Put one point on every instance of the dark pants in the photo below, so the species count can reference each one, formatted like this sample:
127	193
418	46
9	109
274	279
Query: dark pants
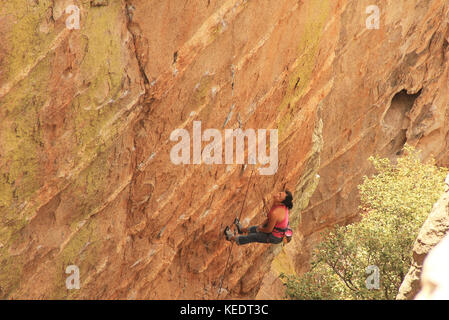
254	236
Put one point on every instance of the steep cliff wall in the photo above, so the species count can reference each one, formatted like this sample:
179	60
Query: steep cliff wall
86	115
389	87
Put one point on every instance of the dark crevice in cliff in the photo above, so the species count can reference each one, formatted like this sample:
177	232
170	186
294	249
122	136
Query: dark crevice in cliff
135	32
397	120
136	205
401	104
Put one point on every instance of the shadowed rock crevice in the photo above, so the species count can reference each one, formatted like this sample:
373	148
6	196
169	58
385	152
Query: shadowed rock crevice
136	34
396	120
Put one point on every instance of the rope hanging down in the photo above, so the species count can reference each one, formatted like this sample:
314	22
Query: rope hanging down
232	245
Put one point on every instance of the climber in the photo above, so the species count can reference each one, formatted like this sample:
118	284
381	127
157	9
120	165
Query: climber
274	228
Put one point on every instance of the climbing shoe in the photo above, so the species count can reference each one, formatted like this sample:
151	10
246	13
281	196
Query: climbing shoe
238	225
228	233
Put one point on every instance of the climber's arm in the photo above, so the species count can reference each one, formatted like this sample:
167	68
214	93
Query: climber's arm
264	224
271	222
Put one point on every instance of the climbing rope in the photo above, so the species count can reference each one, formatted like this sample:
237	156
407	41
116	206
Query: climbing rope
232	245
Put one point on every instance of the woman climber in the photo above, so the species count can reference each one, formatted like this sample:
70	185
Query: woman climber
274	228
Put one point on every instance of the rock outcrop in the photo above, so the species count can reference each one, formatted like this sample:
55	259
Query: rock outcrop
434	279
87	107
430	235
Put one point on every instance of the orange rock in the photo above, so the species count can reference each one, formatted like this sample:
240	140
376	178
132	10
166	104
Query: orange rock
86	116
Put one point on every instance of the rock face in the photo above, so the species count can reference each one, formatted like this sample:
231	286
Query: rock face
387	89
432	232
87	107
434	279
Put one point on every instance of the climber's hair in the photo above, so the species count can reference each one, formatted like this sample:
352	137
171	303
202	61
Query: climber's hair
288	201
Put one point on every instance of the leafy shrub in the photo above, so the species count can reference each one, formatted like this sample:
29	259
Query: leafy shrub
394	204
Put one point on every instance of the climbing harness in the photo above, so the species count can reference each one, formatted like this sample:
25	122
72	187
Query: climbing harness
286	232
